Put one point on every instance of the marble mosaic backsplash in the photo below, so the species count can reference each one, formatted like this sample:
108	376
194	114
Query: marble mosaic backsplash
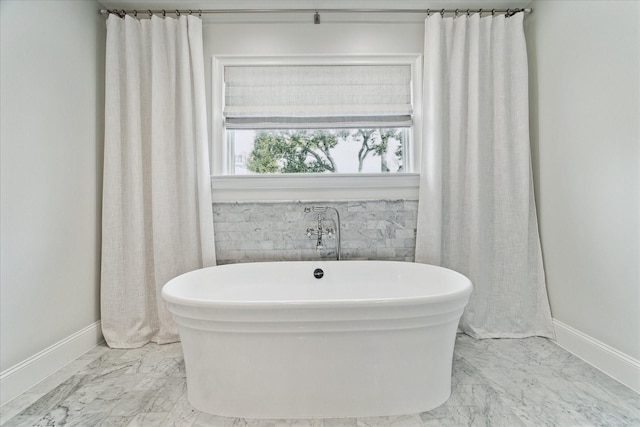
373	230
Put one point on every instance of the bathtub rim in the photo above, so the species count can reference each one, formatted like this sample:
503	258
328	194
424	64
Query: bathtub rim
461	294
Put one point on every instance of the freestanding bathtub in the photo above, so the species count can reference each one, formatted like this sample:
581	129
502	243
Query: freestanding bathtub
318	339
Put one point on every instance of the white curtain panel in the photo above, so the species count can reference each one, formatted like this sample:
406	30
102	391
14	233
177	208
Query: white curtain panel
477	211
157	215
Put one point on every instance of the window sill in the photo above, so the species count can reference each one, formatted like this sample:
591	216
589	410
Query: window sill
314	187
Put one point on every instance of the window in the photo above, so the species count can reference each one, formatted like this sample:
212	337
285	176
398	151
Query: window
355	150
348	117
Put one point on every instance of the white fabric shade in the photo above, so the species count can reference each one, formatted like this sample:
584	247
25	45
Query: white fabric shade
317	96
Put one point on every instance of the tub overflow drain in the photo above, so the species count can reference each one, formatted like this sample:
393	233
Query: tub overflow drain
318	273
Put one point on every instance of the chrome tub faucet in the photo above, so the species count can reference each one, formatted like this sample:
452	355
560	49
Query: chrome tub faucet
320	230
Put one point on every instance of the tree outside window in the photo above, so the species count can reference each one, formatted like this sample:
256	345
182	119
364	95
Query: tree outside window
363	150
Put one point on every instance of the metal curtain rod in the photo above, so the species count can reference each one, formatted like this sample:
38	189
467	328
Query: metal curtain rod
316	12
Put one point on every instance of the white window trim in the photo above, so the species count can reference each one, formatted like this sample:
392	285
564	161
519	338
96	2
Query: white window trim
312	187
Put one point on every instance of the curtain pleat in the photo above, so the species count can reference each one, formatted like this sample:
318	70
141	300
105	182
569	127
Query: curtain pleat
157	215
476	210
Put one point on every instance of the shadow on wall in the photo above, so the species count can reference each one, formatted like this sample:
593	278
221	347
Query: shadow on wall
375	230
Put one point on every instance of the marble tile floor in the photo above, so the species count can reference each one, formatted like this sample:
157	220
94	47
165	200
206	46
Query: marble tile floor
506	382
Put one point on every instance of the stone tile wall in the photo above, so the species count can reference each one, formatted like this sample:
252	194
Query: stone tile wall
376	230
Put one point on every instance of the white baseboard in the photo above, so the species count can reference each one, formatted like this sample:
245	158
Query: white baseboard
21	377
612	362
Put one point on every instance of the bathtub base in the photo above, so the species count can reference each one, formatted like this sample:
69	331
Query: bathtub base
320	374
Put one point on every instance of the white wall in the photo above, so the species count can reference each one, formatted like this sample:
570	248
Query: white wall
51	77
585	62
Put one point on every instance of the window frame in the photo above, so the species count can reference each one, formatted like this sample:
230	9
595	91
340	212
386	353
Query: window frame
312	187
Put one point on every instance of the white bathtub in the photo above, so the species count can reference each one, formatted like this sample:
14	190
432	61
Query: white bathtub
269	340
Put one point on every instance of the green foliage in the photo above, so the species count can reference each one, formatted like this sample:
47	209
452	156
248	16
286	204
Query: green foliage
376	143
293	152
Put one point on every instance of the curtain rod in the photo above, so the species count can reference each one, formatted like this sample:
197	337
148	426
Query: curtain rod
316	12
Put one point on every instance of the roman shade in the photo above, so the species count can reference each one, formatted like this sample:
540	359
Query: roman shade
317	96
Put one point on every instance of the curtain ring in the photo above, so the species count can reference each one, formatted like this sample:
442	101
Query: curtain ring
199	13
480	13
493	12
149	12
457	10
190	12
164	13
135	13
177	12
468	12
442	13
508	14
428	12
